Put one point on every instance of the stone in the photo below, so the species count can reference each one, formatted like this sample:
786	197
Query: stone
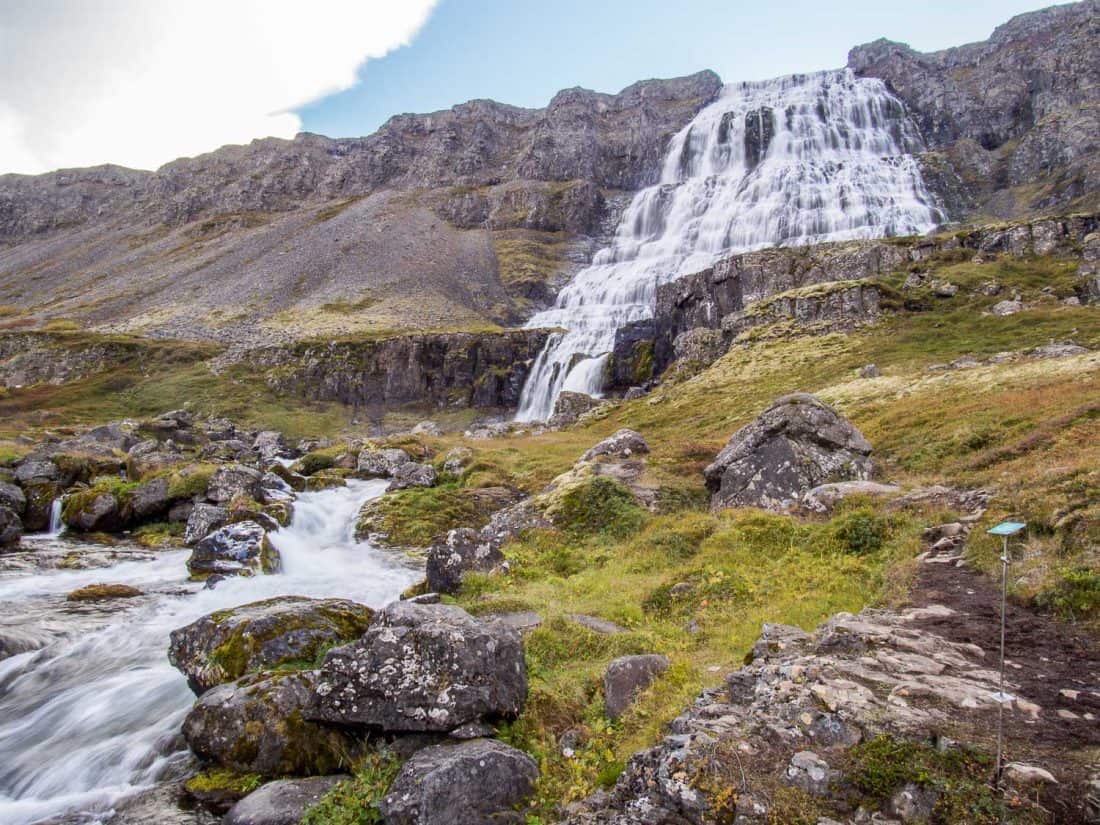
255	725
203	520
149	456
796	444
240	549
913	804
423	668
101	592
11	527
227	644
570	406
461	552
628	676
1002	308
1064	350
12	497
596	624
282	802
93	512
35	470
477	782
623	444
943	289
457	459
809	772
427	427
270	445
412	474
151	499
825	497
869	371
232	480
380	463
1023	775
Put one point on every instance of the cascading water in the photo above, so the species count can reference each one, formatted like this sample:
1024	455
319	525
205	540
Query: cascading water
57	526
796	160
93	716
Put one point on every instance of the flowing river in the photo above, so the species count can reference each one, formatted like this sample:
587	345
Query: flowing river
92	716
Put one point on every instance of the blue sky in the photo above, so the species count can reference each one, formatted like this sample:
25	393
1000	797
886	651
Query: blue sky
522	52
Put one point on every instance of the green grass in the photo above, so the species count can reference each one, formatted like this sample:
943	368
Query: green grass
419	516
355	801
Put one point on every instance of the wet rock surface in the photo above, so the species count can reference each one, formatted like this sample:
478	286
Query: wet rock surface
796	444
223	646
422	668
234	550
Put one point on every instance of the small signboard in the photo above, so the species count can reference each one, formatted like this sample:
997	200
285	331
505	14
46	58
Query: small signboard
1007	528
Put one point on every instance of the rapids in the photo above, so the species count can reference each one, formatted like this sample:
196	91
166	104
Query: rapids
93	715
796	160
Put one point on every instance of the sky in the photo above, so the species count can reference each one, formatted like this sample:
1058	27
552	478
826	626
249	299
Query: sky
142	82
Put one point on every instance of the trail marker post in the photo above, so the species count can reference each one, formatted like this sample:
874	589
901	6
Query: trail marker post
1004	530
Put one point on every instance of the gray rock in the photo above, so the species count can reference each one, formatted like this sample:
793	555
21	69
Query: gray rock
151	499
11	527
412	474
282	802
628	676
825	497
255	725
913	804
795	445
423	668
270	445
1002	308
461	552
231	481
478	782
596	624
623	444
570	406
869	371
100	513
1064	350
810	772
380	463
427	427
457	459
36	470
944	289
149	456
223	646
12	497
240	549
203	520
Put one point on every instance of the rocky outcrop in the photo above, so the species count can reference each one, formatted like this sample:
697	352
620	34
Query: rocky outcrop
830	307
480	781
795	445
255	725
1011	122
445	369
225	645
240	549
422	668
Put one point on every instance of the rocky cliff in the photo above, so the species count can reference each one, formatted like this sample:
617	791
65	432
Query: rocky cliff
1012	122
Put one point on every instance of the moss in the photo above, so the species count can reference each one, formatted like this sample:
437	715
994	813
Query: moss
221	781
418	516
598	505
160	535
99	592
323	459
189	481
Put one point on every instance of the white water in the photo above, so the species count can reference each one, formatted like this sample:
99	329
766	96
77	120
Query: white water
840	166
95	715
57	526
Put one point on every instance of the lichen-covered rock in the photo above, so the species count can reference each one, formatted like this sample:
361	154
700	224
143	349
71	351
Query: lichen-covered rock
626	677
423	668
203	520
623	444
478	782
570	406
255	725
11	527
240	549
457	459
149	456
282	802
795	445
151	499
233	480
380	463
223	646
33	470
12	497
412	474
461	552
93	511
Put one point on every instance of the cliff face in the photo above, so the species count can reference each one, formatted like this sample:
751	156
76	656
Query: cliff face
1012	122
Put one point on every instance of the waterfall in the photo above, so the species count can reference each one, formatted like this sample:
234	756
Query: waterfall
94	716
797	160
57	526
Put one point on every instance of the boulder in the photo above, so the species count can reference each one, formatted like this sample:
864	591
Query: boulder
270	445
457	459
477	782
223	646
33	470
151	499
412	474
461	552
147	457
623	444
118	435
1002	308
92	511
11	527
427	427
795	445
423	668
12	497
570	406
102	592
282	802
233	480
255	725
293	480
203	520
626	677
240	549
40	498
824	497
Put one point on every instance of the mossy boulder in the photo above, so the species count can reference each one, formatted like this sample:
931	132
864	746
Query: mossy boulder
218	790
103	592
94	511
255	725
40	496
279	632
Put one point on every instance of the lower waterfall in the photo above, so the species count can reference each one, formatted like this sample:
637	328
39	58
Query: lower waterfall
797	160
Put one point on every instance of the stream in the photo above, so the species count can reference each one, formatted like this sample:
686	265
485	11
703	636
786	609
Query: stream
92	716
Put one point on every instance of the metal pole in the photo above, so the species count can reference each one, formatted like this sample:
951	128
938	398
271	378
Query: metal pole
1001	689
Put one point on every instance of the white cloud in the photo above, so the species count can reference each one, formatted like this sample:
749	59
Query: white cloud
142	82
